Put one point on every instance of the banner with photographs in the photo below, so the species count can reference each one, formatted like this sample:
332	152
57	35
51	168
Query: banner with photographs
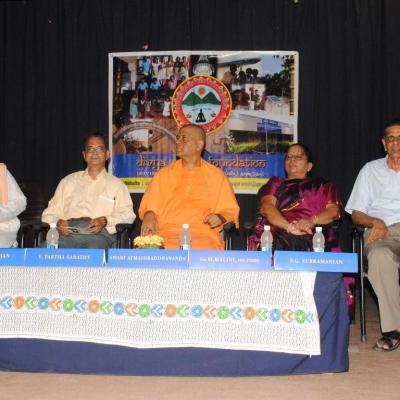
246	101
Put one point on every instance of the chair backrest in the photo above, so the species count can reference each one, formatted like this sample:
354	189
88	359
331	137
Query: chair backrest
36	202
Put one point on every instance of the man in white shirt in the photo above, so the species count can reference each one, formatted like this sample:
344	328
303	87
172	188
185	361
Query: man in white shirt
88	204
375	203
12	203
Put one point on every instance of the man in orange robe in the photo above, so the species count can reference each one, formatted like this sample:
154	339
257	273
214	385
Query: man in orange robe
191	191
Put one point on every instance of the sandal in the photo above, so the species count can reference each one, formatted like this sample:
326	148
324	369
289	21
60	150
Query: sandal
388	342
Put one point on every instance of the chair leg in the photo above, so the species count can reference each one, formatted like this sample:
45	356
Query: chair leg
228	242
362	311
362	297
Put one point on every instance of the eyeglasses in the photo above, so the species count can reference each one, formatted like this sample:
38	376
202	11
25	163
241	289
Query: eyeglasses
97	150
392	139
295	158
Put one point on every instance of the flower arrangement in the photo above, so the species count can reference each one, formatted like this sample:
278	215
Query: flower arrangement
148	242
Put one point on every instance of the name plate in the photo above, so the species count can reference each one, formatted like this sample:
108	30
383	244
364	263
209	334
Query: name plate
234	260
137	258
12	257
64	258
314	261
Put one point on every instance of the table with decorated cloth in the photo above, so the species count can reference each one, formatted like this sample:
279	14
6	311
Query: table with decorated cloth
171	321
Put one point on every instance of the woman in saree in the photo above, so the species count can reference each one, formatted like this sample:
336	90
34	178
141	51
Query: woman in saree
295	205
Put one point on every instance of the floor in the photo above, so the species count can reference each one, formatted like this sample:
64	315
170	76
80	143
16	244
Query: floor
372	375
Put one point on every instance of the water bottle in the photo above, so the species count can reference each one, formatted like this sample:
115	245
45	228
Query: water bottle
266	239
52	237
318	240
186	238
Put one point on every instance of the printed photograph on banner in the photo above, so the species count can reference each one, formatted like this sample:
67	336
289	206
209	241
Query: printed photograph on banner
245	101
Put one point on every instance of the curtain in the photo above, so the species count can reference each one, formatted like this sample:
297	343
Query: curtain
54	71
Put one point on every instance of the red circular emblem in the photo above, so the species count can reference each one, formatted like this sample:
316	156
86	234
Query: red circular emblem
202	100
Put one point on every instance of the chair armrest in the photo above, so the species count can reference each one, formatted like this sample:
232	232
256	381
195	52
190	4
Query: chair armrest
32	233
335	225
358	245
26	236
229	228
247	227
358	237
40	229
124	235
360	229
123	227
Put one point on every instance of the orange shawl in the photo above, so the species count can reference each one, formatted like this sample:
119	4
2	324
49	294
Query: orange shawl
215	194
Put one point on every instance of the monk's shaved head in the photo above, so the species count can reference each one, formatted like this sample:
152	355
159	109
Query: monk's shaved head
195	130
190	142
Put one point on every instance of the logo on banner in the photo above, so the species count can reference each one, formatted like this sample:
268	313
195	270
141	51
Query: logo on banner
202	100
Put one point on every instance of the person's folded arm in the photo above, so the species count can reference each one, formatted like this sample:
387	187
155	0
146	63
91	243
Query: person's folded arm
330	214
226	208
360	218
379	230
275	218
153	202
272	214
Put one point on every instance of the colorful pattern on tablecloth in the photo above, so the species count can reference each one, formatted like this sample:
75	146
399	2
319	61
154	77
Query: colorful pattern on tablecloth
178	311
272	311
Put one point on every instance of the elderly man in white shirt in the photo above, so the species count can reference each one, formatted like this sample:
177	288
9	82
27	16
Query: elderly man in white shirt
375	203
12	203
88	204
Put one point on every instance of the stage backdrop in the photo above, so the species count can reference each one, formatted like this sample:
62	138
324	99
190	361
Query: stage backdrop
246	101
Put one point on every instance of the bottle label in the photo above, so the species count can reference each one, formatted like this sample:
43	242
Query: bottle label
319	249
185	246
52	245
265	248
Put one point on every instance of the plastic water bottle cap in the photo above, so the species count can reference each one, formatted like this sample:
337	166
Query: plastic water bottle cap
318	229
52	225
185	226
267	228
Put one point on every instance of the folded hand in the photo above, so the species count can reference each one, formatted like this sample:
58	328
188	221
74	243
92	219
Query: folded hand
304	225
62	227
149	224
379	231
95	225
214	220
